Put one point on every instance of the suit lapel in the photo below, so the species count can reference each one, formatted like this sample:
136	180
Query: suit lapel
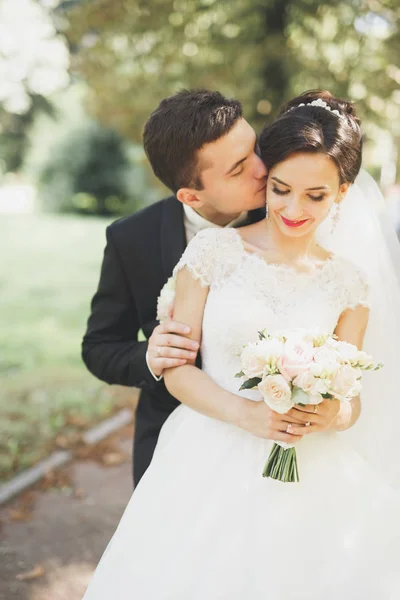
172	235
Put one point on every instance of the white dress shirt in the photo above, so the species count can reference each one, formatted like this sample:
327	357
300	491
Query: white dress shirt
193	223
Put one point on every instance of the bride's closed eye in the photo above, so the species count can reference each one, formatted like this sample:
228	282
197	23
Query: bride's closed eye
285	192
279	192
317	198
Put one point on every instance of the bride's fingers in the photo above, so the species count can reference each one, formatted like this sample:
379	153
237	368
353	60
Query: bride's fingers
287	418
308	408
302	429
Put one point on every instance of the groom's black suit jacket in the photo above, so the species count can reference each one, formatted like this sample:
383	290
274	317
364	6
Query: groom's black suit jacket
140	255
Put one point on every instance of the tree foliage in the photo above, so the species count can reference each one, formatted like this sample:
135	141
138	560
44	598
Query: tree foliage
135	52
34	62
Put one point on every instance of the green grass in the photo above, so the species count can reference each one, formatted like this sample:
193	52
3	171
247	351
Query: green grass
49	269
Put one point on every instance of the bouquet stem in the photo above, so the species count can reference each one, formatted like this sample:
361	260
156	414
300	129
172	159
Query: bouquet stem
282	464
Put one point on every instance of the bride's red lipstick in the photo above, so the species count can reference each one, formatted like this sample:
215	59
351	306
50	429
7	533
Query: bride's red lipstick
293	223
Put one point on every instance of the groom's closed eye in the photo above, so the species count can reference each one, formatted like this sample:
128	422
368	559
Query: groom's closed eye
238	172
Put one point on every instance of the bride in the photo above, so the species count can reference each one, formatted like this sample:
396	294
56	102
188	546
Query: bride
203	524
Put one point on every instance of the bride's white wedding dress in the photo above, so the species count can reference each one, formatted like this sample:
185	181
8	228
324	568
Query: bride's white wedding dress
203	524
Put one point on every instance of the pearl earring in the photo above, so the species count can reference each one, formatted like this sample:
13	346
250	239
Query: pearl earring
335	217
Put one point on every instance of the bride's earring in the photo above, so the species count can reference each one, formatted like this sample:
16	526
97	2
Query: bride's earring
335	217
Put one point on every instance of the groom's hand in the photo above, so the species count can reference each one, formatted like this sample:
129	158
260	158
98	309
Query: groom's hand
168	347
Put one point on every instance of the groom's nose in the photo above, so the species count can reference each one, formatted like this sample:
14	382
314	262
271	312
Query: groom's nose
260	168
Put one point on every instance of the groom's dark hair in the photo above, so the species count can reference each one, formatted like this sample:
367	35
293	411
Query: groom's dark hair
179	127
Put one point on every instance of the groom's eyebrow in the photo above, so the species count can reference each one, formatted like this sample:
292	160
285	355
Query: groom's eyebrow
319	187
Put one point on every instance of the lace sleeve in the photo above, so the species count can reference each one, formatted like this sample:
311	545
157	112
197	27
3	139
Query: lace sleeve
209	254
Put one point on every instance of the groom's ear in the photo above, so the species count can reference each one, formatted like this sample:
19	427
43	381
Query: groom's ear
342	192
188	196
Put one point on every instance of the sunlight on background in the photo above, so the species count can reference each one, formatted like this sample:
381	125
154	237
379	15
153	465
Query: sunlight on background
34	59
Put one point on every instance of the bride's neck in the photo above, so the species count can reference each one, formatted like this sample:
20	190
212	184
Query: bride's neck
291	249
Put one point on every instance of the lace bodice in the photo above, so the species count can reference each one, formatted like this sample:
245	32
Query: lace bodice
248	294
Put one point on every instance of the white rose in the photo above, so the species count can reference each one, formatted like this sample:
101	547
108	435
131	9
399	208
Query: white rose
347	352
310	384
363	360
299	396
260	356
165	300
252	363
276	393
346	383
324	355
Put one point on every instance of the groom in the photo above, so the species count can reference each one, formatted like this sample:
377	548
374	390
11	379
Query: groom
200	146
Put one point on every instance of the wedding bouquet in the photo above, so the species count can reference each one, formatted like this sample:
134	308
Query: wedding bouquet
300	367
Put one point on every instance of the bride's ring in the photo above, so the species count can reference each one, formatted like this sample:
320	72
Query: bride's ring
315	409
308	423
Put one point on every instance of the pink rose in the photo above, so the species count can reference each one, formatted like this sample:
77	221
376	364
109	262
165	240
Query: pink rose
276	393
297	357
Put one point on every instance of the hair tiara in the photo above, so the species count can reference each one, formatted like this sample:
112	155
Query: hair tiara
320	104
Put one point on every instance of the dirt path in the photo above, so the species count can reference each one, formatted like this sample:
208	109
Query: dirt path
57	533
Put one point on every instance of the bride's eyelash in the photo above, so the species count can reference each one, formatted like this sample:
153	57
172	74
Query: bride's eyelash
280	192
317	198
284	192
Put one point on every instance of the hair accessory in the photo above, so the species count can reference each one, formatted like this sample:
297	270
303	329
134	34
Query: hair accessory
321	104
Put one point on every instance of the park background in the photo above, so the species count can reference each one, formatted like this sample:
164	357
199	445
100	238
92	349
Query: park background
77	81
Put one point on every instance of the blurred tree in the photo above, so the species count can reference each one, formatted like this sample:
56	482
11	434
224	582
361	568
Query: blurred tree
34	61
90	171
133	53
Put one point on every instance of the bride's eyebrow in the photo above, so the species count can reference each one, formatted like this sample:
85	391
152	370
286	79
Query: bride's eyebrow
319	187
280	181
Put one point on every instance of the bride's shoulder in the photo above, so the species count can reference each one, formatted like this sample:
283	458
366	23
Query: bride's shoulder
212	254
351	280
216	235
216	240
347	267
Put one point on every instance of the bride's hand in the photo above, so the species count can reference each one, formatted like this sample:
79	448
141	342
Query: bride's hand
314	417
263	422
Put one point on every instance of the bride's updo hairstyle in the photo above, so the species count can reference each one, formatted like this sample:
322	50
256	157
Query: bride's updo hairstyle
332	129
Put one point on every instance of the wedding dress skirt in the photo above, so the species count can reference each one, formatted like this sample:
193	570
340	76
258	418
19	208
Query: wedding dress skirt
203	524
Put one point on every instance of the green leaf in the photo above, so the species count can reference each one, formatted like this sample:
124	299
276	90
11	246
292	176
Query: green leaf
327	396
250	383
240	374
262	335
